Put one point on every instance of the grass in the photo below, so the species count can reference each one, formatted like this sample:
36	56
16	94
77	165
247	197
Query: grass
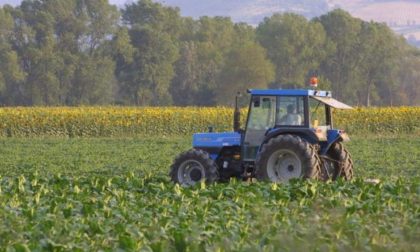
375	156
83	155
109	194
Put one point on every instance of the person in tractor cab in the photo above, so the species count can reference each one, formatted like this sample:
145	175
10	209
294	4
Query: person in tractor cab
291	118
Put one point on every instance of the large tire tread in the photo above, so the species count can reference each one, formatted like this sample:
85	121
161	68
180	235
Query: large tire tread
344	167
210	167
307	153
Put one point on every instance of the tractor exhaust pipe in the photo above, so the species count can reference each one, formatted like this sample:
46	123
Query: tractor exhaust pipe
237	115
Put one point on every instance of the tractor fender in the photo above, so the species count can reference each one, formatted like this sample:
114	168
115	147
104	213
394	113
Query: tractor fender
334	136
307	134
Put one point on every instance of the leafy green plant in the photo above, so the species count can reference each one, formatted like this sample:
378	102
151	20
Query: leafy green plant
110	194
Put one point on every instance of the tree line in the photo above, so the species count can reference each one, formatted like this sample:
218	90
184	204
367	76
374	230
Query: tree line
77	52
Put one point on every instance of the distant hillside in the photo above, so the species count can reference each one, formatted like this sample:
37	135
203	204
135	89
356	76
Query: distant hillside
250	11
402	16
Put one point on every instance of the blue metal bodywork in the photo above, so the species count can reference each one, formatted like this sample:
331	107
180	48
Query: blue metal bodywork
213	143
216	141
290	92
332	136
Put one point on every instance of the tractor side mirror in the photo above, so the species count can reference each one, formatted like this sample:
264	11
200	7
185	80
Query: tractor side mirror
256	101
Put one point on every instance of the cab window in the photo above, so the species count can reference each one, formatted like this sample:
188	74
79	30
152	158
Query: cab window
262	113
262	116
290	111
317	113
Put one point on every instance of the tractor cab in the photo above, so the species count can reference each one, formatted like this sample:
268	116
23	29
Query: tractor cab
288	134
306	113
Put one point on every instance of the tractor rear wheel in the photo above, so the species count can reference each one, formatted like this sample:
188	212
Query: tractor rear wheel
192	167
338	163
286	157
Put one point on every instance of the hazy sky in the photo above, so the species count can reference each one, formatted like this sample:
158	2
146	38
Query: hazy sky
396	13
15	2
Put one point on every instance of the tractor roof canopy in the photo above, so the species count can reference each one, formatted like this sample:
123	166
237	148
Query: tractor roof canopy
322	96
332	102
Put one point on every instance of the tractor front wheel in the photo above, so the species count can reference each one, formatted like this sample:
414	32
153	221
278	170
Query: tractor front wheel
193	166
286	157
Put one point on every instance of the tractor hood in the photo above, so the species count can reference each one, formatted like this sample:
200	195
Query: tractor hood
332	102
216	139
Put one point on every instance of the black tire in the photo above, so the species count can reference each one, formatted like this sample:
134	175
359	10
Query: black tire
338	162
292	153
193	166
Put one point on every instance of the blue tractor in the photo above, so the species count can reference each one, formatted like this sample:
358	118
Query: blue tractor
289	134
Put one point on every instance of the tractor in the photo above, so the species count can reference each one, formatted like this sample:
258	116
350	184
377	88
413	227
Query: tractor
288	135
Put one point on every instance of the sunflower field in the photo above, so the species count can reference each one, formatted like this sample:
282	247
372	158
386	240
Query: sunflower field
168	121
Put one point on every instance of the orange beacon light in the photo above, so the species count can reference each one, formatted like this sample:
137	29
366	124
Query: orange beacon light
314	82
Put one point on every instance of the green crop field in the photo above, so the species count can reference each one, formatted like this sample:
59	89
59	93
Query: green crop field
114	193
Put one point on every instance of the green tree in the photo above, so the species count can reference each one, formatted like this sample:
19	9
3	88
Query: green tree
71	52
153	31
246	67
185	86
340	67
11	74
55	41
84	29
378	65
408	77
209	43
294	45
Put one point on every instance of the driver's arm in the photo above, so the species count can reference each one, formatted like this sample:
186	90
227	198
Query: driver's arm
299	120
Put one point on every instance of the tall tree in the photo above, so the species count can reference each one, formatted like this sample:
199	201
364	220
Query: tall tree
11	74
202	57
71	52
54	40
408	90
186	87
84	30
205	56
246	67
154	30
340	67
379	56
295	46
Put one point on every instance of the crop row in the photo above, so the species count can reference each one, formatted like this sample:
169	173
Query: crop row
131	121
114	194
137	212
